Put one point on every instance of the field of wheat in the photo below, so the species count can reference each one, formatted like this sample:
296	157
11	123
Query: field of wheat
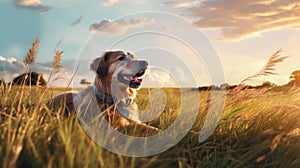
258	128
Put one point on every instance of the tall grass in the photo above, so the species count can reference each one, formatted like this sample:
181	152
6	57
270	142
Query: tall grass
259	128
269	68
32	54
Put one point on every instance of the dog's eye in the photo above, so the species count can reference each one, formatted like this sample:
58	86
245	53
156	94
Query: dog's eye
122	58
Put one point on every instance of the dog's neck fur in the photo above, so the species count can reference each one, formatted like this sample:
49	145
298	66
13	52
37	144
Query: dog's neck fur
103	86
117	92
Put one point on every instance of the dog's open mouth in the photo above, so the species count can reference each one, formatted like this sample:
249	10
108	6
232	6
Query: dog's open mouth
135	80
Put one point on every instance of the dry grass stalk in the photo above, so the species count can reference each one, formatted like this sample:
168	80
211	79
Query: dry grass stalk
275	142
56	65
261	158
294	133
57	59
32	53
30	58
268	68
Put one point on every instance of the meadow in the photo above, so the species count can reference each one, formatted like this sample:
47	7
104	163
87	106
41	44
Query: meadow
258	128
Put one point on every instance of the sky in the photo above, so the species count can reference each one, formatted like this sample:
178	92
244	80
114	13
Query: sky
187	43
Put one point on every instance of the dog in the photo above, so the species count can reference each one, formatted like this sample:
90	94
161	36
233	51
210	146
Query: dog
118	77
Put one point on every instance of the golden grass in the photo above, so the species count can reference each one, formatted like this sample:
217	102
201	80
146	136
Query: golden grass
258	128
269	68
57	59
32	54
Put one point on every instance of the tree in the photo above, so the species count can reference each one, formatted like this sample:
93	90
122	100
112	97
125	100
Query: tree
295	79
268	84
31	78
84	82
225	86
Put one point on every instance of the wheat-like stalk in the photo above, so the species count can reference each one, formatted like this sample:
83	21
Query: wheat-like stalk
57	59
268	68
56	65
32	53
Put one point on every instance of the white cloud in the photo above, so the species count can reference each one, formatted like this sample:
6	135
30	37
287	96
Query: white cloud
179	4
11	60
10	68
244	19
119	27
156	77
179	74
32	4
2	58
110	3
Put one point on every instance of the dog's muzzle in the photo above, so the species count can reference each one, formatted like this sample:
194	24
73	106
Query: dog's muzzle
134	80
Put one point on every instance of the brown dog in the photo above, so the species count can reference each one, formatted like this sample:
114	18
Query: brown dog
118	76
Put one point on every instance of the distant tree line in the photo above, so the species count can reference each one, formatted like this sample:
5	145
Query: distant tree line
226	86
294	82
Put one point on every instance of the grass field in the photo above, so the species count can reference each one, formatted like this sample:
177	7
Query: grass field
259	128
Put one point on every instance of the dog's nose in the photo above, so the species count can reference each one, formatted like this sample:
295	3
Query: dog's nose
143	63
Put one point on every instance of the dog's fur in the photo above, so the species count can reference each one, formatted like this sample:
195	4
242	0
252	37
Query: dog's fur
117	79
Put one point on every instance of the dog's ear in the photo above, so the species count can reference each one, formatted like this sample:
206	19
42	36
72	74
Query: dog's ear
100	65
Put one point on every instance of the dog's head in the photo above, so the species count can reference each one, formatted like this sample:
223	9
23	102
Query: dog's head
120	68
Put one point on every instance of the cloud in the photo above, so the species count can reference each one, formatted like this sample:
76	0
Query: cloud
10	64
243	19
110	3
157	77
10	68
32	4
11	60
2	58
179	4
64	76
119	27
